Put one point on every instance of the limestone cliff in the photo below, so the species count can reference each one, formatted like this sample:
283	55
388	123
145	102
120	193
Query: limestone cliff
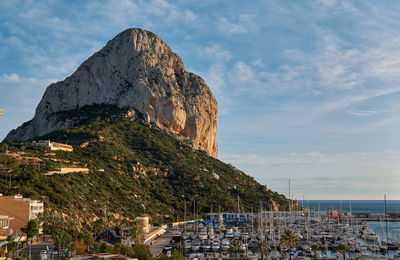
135	70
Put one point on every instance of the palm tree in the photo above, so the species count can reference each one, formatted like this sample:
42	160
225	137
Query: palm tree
235	248
289	238
343	248
31	229
41	219
262	249
136	233
60	238
314	248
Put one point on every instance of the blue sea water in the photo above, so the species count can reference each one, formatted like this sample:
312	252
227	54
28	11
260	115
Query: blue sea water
371	206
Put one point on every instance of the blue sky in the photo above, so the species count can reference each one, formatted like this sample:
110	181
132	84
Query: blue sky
307	90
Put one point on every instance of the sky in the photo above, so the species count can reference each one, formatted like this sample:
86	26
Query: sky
307	90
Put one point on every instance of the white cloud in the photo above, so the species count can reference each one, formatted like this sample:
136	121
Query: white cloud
322	175
245	23
214	52
328	3
9	78
365	113
215	78
243	73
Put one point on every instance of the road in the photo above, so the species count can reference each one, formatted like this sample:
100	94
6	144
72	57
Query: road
35	251
161	242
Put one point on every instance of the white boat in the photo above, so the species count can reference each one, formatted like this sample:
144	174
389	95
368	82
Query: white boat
203	235
187	245
206	247
225	244
372	237
215	246
196	245
229	234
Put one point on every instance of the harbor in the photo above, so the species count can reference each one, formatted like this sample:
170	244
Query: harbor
283	235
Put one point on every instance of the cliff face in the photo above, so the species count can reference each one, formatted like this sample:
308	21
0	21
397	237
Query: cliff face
135	70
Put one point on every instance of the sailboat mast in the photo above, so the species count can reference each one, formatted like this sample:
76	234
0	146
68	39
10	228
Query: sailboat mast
386	223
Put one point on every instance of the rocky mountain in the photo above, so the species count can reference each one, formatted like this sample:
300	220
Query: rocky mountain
137	71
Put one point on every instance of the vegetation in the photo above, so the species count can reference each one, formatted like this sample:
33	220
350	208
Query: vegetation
136	233
343	248
314	248
290	239
262	249
235	249
135	168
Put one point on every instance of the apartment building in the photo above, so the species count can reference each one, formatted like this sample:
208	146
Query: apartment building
21	210
4	226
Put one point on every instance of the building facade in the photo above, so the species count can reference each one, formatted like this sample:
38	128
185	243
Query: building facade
54	146
21	210
4	226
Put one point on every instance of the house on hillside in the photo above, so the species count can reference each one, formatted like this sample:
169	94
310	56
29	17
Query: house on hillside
54	146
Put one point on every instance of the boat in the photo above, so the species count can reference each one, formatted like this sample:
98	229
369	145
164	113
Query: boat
196	245
187	245
225	244
203	235
206	246
215	246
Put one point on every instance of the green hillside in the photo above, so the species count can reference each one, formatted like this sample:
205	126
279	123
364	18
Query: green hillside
135	169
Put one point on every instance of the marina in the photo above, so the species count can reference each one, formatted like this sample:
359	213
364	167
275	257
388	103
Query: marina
285	235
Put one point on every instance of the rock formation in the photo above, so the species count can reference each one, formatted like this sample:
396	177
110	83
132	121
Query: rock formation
138	71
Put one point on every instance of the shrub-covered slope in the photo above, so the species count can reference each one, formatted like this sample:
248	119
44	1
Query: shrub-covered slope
135	169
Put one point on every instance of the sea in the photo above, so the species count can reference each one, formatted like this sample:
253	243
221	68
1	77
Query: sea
369	206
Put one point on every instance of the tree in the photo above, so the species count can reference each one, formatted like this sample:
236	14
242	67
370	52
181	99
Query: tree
88	238
60	238
12	246
235	248
99	225
142	252
343	248
53	223
290	239
176	255
136	233
41	219
262	249
31	229
79	246
314	248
